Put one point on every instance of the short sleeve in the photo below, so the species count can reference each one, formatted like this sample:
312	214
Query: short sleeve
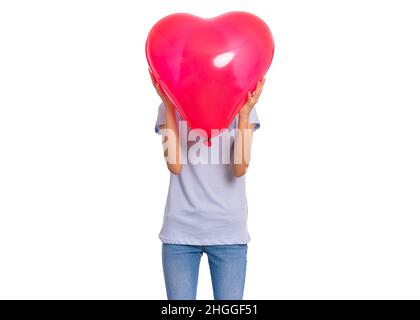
253	118
160	118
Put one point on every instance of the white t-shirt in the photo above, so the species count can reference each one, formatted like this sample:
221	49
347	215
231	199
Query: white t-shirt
206	202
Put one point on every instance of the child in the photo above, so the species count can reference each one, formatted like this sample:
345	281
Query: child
206	207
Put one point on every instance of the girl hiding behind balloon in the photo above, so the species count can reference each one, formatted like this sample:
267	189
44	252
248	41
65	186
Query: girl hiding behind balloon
206	208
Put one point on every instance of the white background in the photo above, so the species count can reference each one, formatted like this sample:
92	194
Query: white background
334	183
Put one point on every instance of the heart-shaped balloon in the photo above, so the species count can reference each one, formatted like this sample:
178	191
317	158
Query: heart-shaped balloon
206	67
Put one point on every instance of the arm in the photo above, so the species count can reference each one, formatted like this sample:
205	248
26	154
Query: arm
243	138
170	133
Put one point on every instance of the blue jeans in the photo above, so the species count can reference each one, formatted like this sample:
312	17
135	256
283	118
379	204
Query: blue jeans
227	268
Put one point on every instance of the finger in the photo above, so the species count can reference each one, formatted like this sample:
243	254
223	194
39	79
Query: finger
259	87
156	84
261	83
152	78
258	90
249	97
158	88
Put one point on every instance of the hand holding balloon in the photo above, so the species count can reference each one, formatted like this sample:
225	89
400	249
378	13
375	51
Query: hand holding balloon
160	92
170	135
243	138
251	100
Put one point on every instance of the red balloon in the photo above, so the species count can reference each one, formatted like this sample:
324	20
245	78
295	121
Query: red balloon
207	66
